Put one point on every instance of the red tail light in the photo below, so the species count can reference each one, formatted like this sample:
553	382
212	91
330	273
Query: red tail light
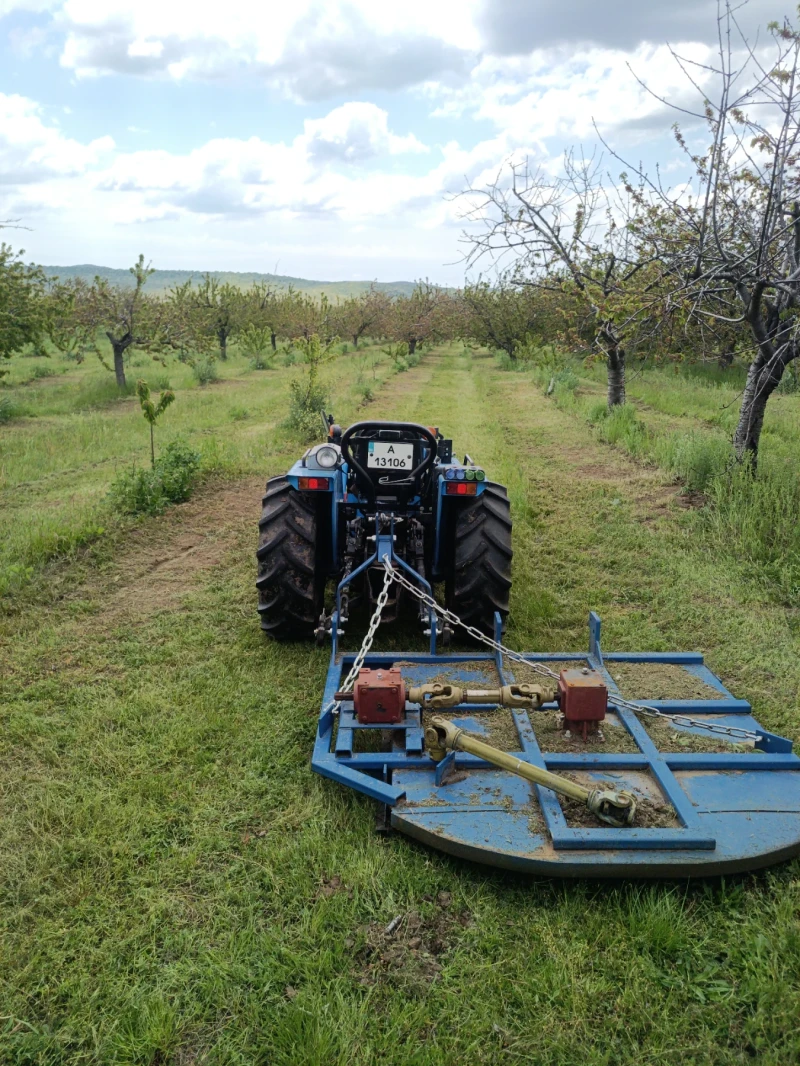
460	488
323	483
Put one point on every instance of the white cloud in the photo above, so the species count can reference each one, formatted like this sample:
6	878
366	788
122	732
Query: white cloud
308	49
517	27
562	93
7	6
353	133
316	175
31	151
302	198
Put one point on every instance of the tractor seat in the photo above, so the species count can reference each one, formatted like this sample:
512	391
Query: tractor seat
389	462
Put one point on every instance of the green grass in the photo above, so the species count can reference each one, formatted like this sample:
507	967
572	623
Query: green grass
179	888
67	436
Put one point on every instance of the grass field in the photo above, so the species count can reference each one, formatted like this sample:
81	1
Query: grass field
56	464
179	888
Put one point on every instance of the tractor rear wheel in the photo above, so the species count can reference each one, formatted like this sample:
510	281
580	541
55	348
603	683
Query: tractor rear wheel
480	575
290	584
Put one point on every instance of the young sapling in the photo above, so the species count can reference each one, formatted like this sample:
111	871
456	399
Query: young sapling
153	411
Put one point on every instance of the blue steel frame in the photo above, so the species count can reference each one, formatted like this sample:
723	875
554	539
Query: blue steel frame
371	772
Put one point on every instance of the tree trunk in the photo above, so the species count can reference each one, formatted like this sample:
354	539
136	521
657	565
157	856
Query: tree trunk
763	378
119	348
355	340
412	345
615	361
222	337
273	340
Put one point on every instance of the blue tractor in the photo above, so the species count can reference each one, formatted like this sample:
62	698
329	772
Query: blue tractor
376	480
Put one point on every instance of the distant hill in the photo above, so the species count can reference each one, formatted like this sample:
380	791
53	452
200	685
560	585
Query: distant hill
161	280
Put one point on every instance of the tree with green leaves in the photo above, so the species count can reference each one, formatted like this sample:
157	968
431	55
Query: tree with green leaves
185	327
22	288
127	316
153	411
308	396
305	315
263	312
418	318
504	315
68	329
360	315
222	310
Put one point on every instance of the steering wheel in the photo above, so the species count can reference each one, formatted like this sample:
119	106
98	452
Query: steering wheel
421	432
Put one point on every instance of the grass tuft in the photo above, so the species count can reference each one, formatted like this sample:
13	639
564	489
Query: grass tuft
150	490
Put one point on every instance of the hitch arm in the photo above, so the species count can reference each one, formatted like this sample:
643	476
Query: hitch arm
613	808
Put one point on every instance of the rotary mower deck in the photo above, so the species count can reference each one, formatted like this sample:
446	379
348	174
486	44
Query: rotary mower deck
731	810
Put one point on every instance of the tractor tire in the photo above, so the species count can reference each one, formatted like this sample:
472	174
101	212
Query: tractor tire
479	581
290	584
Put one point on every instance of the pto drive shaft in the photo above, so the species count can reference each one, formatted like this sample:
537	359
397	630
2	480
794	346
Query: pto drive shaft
436	696
614	808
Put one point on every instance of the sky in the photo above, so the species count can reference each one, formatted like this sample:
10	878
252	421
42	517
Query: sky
318	138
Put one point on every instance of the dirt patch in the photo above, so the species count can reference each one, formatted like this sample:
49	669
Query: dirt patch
153	575
598	472
691	499
669	739
331	886
469	674
536	822
408	951
650	813
656	504
524	674
658	681
501	732
614	738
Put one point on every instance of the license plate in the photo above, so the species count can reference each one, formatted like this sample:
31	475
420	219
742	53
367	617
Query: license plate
382	456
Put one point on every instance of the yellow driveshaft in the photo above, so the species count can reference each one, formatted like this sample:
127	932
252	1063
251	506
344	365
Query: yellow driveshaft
614	808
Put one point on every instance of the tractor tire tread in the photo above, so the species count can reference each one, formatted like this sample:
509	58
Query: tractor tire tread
290	584
480	575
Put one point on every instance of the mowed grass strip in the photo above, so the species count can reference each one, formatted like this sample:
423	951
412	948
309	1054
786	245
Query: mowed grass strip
179	888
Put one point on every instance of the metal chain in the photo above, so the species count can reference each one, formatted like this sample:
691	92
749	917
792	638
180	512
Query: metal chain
613	698
442	612
374	622
681	719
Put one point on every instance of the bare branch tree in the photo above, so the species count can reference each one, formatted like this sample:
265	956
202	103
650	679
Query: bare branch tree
571	233
731	245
